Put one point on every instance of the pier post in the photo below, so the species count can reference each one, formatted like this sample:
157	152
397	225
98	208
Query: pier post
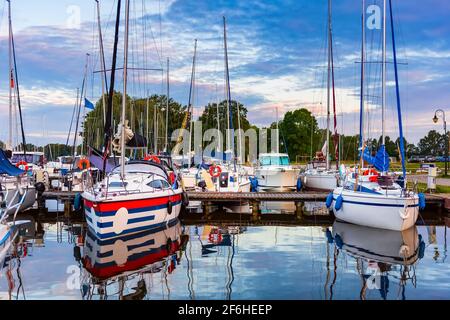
299	206
256	213
206	210
67	208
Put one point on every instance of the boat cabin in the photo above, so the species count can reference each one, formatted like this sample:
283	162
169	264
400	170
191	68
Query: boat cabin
273	159
35	158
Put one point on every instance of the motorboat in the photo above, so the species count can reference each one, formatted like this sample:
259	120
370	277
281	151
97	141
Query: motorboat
274	171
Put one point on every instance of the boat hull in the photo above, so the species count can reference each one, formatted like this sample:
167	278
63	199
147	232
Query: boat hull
386	246
111	258
125	215
320	181
14	198
277	178
376	210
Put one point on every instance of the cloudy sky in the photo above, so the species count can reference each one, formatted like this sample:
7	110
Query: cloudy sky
277	53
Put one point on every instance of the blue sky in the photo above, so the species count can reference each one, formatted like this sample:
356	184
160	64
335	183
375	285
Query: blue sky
277	58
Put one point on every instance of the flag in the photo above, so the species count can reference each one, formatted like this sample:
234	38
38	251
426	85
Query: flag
88	104
12	80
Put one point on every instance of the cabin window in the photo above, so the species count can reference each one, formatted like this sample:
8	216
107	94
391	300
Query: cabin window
159	184
118	184
274	161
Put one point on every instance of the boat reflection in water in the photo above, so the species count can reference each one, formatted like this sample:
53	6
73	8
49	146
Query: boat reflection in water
381	255
114	267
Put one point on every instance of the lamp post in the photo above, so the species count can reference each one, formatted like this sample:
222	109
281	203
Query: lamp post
441	113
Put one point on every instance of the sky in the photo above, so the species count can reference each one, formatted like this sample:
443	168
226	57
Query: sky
277	59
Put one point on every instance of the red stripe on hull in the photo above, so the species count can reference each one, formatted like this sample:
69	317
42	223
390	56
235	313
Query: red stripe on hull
130	204
108	272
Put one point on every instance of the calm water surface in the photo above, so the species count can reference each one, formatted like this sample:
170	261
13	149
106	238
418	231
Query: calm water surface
58	261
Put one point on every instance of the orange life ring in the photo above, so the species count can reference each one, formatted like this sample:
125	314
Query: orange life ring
84	164
152	158
23	165
215	171
370	172
215	238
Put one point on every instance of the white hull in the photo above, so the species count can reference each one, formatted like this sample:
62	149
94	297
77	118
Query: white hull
390	212
386	246
132	213
13	198
320	181
276	178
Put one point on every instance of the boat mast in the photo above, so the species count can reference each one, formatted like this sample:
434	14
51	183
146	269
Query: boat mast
335	136
397	87
278	130
191	100
15	84
383	93
83	94
228	91
166	145
124	98
109	120
102	61
329	85
11	79
363	71
219	145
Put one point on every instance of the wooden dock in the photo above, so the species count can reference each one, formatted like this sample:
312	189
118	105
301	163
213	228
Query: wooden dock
442	201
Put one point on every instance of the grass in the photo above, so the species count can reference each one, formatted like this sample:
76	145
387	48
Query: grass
422	187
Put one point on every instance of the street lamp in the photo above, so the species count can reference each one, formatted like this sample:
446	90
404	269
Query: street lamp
441	113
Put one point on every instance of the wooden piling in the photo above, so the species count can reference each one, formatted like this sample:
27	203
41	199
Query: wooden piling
299	206
256	212
67	208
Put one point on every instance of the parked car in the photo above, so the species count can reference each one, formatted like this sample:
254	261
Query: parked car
413	159
442	159
430	159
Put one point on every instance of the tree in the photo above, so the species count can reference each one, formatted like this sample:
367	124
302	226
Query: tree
141	119
209	119
432	144
297	129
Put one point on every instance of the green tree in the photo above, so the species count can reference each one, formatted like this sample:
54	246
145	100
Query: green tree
140	114
296	129
209	119
432	144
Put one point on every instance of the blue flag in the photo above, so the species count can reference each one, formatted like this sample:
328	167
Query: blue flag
88	104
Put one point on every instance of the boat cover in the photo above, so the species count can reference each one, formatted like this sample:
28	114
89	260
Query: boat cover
6	167
381	160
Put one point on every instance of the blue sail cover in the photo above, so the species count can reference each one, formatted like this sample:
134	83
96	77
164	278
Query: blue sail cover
6	167
381	160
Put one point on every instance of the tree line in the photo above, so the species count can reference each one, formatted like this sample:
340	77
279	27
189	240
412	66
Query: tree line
299	132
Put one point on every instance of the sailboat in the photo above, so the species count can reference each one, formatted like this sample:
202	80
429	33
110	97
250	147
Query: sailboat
380	254
221	175
16	184
230	176
137	195
130	261
374	197
319	175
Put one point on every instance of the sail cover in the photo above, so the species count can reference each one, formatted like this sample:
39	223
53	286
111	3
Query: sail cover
7	167
381	160
96	159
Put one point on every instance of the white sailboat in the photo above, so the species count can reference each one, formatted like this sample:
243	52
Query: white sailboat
226	175
137	195
319	175
370	198
16	186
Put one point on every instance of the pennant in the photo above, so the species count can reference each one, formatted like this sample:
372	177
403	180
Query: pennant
88	104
